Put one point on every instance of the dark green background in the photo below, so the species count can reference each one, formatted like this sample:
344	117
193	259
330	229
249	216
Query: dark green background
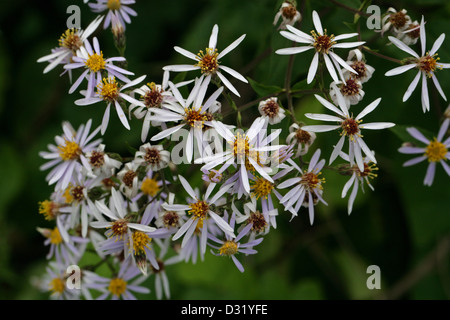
397	227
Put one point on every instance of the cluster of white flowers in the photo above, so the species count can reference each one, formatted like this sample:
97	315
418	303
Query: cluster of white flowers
129	209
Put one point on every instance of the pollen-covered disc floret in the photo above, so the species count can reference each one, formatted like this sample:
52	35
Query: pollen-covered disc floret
199	209
117	286
429	64
207	61
108	89
195	117
323	42
71	40
436	151
261	188
228	248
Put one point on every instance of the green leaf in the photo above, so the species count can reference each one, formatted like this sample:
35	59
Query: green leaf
264	90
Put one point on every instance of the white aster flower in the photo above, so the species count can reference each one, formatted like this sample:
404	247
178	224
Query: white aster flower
411	34
358	63
192	112
119	225
91	59
67	157
288	14
153	96
395	20
100	163
245	150
300	138
69	43
112	93
436	151
271	110
118	8
324	46
351	128
208	62
357	178
351	91
129	179
427	63
200	210
305	189
152	156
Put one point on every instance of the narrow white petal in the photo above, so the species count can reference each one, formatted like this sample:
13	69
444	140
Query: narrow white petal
402	46
231	47
320	128
377	125
329	105
186	53
187	187
368	109
399	70
213	38
317	23
411	87
313	68
330	68
437	44
425	97
293	50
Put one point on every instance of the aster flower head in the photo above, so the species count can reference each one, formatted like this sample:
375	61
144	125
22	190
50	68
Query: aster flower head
55	282
231	246
306	189
436	151
208	61
152	156
357	61
67	157
200	210
288	13
271	109
69	43
324	46
396	21
350	126
244	149
118	9
427	64
153	96
100	163
111	92
121	286
411	34
357	178
351	90
94	64
120	224
300	139
193	113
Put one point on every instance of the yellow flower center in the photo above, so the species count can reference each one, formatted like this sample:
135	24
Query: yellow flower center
199	209
436	151
428	64
195	118
68	194
55	236
229	248
57	286
118	229
208	61
108	89
311	181
150	187
350	127
140	242
113	4
48	209
323	43
368	170
70	151
95	62
70	40
262	188
153	97
117	286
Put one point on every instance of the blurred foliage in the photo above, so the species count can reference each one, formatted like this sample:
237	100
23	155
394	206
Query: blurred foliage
395	227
